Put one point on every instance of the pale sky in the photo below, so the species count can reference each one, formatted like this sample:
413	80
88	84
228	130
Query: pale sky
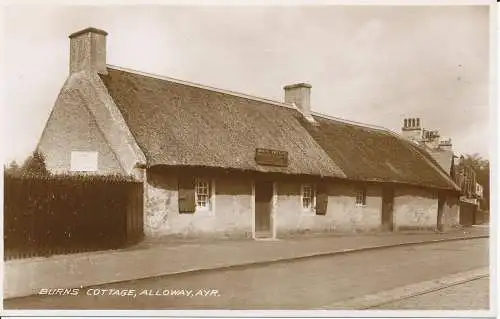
372	64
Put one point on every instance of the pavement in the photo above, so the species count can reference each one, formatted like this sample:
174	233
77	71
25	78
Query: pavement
26	277
303	284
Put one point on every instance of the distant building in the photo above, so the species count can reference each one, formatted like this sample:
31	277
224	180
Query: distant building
441	151
479	190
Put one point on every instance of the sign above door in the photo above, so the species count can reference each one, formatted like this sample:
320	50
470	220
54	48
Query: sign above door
270	157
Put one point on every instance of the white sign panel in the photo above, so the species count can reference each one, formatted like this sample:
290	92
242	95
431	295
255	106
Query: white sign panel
83	161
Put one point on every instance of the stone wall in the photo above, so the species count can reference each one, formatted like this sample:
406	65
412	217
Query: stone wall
451	212
342	213
71	127
349	217
289	214
415	208
85	118
233	203
231	215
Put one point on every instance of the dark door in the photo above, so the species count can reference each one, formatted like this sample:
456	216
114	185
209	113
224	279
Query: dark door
263	207
441	201
387	208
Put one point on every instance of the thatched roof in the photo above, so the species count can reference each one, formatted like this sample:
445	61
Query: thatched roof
179	124
183	124
371	154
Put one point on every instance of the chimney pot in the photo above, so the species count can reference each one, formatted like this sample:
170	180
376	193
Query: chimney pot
411	129
88	50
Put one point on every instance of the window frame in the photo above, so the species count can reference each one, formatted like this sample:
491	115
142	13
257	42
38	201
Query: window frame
312	204
360	193
210	187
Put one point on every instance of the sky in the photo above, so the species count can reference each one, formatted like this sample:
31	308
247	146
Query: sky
371	64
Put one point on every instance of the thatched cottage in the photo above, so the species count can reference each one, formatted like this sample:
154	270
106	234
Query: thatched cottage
220	162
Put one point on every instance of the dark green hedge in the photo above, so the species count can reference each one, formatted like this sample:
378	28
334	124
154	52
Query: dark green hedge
68	213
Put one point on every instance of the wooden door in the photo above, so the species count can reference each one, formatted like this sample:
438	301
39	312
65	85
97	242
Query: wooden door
263	208
441	201
387	208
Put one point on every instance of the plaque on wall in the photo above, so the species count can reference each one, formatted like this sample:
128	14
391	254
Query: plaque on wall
270	157
83	161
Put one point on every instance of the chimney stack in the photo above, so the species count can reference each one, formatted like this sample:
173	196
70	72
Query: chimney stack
300	95
445	145
431	139
88	51
412	130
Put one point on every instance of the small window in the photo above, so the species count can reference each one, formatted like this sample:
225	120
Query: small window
361	197
308	197
202	194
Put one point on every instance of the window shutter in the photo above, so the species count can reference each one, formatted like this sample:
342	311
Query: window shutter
321	200
187	200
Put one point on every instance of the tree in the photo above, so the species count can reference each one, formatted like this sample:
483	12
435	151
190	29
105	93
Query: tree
482	168
476	161
35	165
13	168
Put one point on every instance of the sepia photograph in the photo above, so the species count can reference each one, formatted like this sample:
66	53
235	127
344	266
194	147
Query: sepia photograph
320	159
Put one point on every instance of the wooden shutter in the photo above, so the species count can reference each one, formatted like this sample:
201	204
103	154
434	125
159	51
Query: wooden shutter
187	200
321	200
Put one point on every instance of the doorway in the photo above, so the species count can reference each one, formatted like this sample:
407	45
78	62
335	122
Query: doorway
264	191
441	201
387	208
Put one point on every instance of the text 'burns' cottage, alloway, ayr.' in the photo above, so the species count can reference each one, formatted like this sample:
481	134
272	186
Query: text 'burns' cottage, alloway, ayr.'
229	164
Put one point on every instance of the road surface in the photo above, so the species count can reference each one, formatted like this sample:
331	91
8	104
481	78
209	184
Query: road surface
472	295
304	284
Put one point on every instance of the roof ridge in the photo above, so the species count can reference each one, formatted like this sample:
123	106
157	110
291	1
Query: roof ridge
365	125
202	86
